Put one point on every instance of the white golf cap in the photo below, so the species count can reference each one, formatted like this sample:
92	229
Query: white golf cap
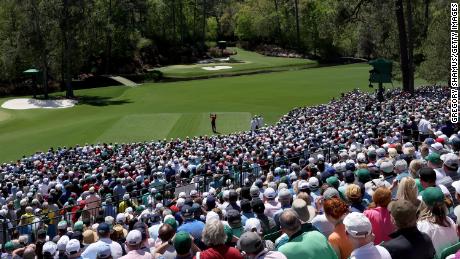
357	225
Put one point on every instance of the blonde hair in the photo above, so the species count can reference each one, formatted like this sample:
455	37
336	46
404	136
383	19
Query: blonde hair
414	166
213	233
353	193
436	214
407	190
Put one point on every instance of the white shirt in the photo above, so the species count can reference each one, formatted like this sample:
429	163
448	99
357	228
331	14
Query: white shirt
91	251
442	237
370	251
424	126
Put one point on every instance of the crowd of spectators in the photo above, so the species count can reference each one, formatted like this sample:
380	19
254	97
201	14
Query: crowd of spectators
353	178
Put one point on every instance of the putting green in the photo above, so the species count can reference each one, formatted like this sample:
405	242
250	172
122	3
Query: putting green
167	110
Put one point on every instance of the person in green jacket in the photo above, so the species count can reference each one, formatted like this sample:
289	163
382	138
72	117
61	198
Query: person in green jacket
303	245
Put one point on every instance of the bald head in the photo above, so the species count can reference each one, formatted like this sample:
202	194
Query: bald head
289	221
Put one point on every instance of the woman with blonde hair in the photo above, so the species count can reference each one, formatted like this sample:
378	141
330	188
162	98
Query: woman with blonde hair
414	166
407	190
433	219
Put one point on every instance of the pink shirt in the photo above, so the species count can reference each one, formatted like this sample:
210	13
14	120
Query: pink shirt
381	223
271	207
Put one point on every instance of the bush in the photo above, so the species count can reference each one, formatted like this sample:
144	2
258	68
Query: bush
217	53
155	75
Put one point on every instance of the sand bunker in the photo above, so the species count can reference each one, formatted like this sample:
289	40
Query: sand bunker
28	103
216	68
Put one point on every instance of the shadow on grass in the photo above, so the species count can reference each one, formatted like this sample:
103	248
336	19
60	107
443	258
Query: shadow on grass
100	100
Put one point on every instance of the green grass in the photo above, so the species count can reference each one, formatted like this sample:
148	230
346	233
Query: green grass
166	110
251	62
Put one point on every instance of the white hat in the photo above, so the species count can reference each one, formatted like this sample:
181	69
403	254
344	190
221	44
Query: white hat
73	246
109	220
49	247
193	192
456	186
121	218
386	167
92	190
284	194
134	237
357	225
450	160
180	202
62	243
211	215
313	182
104	251
253	224
270	193
182	195
437	146
401	165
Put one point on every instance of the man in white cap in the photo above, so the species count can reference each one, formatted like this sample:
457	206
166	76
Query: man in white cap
73	249
359	231
271	204
133	244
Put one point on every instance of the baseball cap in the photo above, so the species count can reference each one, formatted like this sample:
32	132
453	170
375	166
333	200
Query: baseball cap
434	158
253	224
254	191
121	218
62	243
450	160
333	181
72	247
62	225
250	243
357	225
303	185
284	194
233	218
142	227
182	242
386	167
330	193
300	206
186	211
49	247
456	186
103	228
172	222
78	226
134	237
270	193
363	175
104	251
313	183
432	195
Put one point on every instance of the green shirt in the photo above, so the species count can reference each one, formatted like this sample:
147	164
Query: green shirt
311	244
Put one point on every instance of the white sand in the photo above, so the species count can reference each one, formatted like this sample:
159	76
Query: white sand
216	68
28	103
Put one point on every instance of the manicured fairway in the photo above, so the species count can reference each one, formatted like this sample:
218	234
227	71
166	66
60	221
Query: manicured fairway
250	62
165	110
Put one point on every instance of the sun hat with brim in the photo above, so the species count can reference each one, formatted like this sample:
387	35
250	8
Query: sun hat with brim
89	237
434	158
432	195
182	242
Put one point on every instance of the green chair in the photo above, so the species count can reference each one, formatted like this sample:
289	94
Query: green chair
448	251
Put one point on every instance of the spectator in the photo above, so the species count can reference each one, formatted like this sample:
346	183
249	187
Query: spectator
433	220
379	215
303	245
407	242
359	231
103	231
407	190
214	238
252	245
133	244
336	210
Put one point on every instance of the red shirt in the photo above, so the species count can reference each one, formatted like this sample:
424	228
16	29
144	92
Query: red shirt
220	252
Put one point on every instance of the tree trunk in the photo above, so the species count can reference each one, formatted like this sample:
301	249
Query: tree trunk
67	50
426	16
297	23
277	21
405	70
410	43
108	53
203	36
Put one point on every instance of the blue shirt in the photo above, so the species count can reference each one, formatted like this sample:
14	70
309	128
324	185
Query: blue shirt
194	227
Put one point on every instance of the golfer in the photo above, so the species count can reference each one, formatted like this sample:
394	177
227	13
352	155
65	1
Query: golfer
213	122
